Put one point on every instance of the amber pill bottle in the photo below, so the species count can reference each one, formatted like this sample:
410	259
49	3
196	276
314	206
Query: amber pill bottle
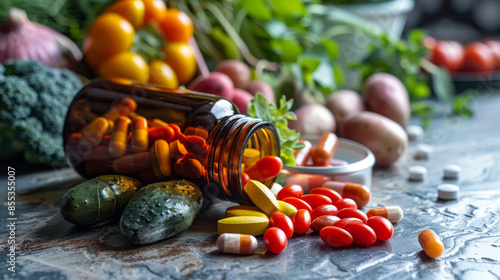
210	136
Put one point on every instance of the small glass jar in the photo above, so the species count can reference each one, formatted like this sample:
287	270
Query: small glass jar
117	126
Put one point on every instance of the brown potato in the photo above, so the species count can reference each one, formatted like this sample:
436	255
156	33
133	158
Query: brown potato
236	70
313	119
385	138
386	95
344	102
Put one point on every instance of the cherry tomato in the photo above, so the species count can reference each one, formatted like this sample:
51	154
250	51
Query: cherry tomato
162	74
345	203
290	191
478	58
298	203
494	46
301	221
383	228
323	221
108	35
283	222
181	58
448	55
333	195
275	240
335	236
177	26
343	222
316	200
326	209
131	10
352	213
244	178
127	65
361	234
156	10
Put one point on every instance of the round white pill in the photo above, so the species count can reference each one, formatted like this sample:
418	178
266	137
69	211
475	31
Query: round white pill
423	151
451	171
417	173
448	191
415	132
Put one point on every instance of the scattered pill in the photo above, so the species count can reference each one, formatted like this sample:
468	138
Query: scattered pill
323	210
261	196
333	195
325	149
335	236
359	193
291	190
265	168
423	152
251	225
451	171
234	243
415	133
301	221
276	188
448	191
315	200
383	227
362	234
417	173
431	243
392	213
298	203
323	221
282	221
244	211
275	240
287	208
352	213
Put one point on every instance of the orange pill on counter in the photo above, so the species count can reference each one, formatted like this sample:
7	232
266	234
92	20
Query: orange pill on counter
124	108
161	132
325	149
133	163
139	141
302	155
359	193
431	243
118	142
93	133
265	168
234	243
160	156
392	213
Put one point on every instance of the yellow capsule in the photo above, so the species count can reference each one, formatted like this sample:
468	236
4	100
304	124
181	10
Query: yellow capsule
287	209
261	196
250	156
251	225
139	140
241	211
93	133
160	158
431	243
118	142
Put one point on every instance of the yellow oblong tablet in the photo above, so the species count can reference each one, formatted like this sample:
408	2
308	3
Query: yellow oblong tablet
251	225
250	156
287	209
261	196
245	211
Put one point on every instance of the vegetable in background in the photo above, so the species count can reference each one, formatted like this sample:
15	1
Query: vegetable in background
33	103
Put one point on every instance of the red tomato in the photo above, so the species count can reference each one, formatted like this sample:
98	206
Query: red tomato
298	203
478	58
275	240
283	222
323	221
336	237
448	55
333	195
383	228
361	234
301	221
290	191
352	213
494	46
316	200
343	222
326	209
345	203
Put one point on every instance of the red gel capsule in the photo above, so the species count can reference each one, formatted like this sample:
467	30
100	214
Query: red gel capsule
335	237
359	193
343	222
161	132
361	234
302	155
323	221
333	195
283	222
383	227
326	209
316	200
352	213
301	221
298	203
275	240
265	168
290	191
345	203
325	149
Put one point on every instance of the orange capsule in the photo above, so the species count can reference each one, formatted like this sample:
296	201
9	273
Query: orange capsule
139	141
134	163
126	106
265	168
302	155
359	193
93	133
161	132
160	156
325	149
156	123
234	243
188	168
197	131
431	243
177	150
118	142
392	213
195	144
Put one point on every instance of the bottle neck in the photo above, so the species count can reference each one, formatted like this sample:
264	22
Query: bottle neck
229	138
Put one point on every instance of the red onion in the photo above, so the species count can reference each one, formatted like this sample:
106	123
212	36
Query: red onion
22	39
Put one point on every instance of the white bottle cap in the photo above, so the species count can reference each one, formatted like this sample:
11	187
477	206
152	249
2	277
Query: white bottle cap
451	171
415	132
423	151
394	214
417	173
448	191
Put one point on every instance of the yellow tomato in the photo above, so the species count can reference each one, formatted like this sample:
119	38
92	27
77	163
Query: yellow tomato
109	34
155	11
127	65
162	74
177	26
181	58
131	10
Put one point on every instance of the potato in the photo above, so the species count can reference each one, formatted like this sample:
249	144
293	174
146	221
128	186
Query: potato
344	102
313	119
385	138
242	99
386	95
236	70
264	88
215	83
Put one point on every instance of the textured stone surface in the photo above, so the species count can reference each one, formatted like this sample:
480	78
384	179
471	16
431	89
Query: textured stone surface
51	248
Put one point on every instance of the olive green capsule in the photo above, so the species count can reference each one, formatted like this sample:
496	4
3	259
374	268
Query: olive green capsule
160	211
99	200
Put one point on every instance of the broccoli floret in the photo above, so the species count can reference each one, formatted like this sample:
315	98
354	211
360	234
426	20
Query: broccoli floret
33	103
